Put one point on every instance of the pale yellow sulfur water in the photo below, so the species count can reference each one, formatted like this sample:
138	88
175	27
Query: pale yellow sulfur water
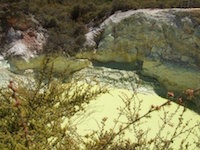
106	106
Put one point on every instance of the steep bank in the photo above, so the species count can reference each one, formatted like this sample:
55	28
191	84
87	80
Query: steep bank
165	42
52	64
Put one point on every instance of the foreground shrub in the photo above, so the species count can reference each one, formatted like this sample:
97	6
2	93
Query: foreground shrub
32	113
33	116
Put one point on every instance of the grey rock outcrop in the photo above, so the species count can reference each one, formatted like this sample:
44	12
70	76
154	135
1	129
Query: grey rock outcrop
13	35
165	40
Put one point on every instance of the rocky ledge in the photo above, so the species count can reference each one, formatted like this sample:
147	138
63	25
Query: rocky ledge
164	41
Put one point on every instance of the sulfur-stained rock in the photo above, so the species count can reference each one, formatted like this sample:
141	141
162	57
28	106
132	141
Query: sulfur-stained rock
167	41
60	64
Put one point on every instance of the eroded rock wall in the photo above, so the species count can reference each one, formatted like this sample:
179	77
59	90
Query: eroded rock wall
165	40
20	35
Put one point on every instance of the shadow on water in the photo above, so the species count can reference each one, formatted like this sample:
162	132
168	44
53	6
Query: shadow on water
160	89
119	65
137	66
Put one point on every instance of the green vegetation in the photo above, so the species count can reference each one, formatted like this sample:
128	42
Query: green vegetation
32	113
67	20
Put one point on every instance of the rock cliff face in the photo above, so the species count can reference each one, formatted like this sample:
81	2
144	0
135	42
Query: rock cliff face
165	41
